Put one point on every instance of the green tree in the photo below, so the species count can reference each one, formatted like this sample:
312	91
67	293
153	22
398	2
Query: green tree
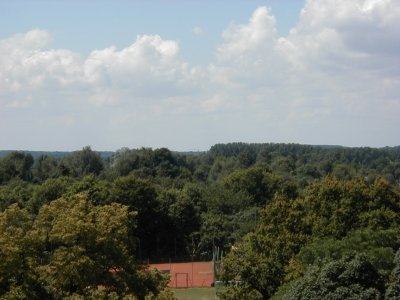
393	290
221	224
86	246
49	190
256	181
165	163
18	278
378	246
347	278
98	191
124	161
259	260
140	196
15	191
336	207
81	163
16	165
44	167
183	220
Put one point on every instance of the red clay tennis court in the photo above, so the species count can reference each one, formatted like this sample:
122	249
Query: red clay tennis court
187	275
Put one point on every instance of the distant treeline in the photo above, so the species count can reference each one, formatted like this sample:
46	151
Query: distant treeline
55	154
303	162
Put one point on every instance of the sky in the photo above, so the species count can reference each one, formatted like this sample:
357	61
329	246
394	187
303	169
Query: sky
189	74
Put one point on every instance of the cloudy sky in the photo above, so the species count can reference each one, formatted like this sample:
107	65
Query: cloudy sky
188	74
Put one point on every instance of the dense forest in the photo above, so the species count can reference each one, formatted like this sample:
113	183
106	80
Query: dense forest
292	221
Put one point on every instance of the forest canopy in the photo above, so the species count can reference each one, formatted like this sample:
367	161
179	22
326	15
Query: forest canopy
285	216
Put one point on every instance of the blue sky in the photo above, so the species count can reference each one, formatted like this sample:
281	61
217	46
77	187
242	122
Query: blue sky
86	25
189	74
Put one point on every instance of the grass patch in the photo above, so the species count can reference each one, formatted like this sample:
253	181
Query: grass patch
195	294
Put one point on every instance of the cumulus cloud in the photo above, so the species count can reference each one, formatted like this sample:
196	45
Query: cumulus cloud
28	69
346	47
149	67
337	69
362	33
259	33
248	59
336	73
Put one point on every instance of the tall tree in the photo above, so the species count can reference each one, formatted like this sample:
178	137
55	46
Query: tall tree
140	196
81	163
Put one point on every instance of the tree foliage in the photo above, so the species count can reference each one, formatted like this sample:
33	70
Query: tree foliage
273	210
393	290
347	278
329	210
72	248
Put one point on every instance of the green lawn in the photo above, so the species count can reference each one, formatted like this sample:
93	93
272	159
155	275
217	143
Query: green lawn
195	294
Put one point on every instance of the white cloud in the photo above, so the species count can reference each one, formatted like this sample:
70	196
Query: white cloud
341	62
28	69
259	33
337	70
361	33
248	62
34	39
149	68
346	47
